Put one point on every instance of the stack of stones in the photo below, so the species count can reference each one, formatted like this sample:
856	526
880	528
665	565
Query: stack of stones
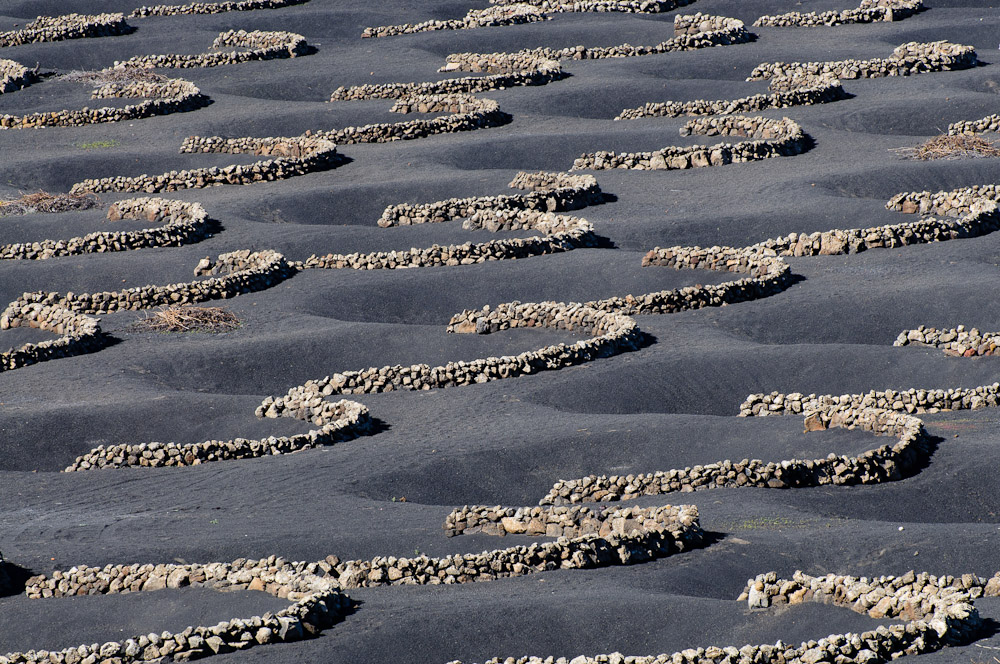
183	223
614	334
543	72
259	45
247	272
956	341
512	14
989	123
549	192
292	157
629	6
68	26
170	96
869	11
886	463
772	138
909	58
317	604
14	76
212	7
977	204
786	91
629	536
768	275
912	401
79	334
691	31
337	422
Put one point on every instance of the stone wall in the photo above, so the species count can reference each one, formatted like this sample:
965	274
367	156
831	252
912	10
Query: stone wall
541	73
291	157
79	334
883	464
183	223
806	91
956	341
629	6
170	96
691	31
512	14
68	26
772	138
14	76
909	58
258	45
989	123
912	400
869	11
317	604
212	7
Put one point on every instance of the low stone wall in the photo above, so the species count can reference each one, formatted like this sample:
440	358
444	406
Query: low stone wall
989	123
183	223
911	401
883	464
339	421
956	341
981	216
869	11
317	605
691	31
615	537
171	96
811	90
79	334
292	157
549	192
541	73
68	26
245	272
564	521
212	7
258	45
629	6
512	14
14	76
773	138
909	58
938	612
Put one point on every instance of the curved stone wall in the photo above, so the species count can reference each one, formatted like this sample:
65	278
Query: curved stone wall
869	11
169	96
629	6
258	45
291	157
989	123
68	26
14	76
773	138
79	334
212	7
909	58
183	223
512	14
883	464
956	341
691	31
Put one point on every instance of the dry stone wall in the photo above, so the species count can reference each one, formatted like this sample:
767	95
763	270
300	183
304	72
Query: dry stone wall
79	334
989	123
907	59
212	7
883	464
869	11
628	6
772	138
513	14
14	76
183	223
956	341
257	45
692	31
68	26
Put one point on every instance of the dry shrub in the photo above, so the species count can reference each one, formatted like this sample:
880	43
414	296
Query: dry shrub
962	146
42	201
188	319
126	74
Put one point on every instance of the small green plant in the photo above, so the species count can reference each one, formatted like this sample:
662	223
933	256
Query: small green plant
214	522
93	145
